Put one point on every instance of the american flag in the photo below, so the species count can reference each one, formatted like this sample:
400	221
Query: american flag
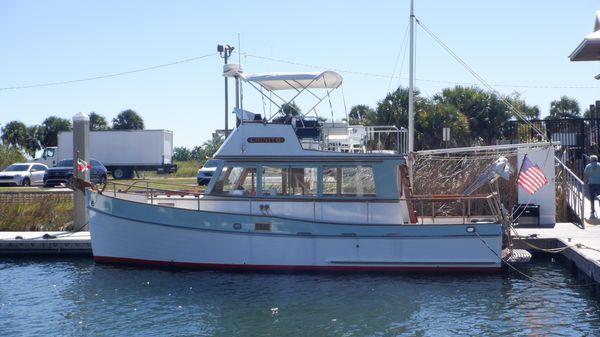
531	178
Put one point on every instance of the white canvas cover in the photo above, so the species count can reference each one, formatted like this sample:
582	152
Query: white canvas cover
282	81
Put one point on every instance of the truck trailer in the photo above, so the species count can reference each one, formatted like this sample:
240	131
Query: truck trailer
122	151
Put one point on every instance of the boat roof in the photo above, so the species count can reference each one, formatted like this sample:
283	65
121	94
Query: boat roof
299	81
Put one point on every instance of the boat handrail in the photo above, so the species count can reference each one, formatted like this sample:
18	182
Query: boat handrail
145	188
464	200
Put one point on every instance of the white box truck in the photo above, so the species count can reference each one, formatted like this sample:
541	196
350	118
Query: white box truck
121	151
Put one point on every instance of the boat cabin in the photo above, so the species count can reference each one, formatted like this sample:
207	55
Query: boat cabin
267	161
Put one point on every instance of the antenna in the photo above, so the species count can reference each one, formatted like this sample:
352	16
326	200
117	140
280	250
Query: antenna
225	53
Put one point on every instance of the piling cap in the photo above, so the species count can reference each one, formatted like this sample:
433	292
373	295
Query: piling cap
81	116
593	158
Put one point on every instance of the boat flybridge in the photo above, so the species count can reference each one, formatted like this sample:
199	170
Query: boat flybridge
289	194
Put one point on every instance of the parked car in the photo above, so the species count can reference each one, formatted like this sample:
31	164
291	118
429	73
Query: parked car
63	172
206	172
24	174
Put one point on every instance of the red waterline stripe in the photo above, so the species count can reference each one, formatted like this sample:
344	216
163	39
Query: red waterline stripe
128	261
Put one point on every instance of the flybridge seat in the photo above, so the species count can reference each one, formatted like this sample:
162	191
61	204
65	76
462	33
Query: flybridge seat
307	128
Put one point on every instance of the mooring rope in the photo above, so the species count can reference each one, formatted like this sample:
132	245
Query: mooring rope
529	277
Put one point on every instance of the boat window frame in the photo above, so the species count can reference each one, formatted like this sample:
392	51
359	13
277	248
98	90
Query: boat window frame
216	178
284	195
339	175
258	167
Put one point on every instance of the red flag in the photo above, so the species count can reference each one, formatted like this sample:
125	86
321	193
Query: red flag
82	165
531	177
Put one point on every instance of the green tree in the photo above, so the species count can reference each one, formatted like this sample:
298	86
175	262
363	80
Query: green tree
35	135
9	155
14	134
361	115
589	112
182	154
432	119
128	120
530	112
564	108
210	147
51	127
486	112
98	122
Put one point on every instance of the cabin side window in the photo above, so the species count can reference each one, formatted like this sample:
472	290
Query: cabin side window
236	181
296	181
348	181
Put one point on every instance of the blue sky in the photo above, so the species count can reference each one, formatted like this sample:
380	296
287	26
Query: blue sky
517	46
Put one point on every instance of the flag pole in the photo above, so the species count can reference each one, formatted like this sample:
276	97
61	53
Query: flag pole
521	168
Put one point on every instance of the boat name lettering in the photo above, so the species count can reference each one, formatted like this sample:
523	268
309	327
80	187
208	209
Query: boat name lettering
266	139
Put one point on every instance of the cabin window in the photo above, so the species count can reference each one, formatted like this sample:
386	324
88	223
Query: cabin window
236	181
297	181
348	181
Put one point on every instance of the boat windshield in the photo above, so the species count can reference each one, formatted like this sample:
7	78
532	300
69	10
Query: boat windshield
236	181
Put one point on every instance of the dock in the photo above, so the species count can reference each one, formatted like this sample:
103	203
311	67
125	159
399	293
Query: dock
45	243
578	247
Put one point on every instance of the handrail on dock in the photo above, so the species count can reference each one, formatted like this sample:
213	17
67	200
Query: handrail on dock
574	191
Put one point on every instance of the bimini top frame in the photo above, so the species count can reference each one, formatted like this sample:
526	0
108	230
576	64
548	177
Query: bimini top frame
300	82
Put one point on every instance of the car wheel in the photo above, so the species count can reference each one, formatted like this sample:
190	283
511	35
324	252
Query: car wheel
48	185
118	173
102	180
26	182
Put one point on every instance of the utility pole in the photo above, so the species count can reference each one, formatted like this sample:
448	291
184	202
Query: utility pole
225	53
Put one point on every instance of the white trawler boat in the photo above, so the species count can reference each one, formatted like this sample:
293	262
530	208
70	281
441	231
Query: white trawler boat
279	202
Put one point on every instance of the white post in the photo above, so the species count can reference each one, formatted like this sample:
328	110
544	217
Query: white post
411	79
81	136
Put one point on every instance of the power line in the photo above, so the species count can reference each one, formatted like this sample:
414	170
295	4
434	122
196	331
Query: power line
419	79
48	84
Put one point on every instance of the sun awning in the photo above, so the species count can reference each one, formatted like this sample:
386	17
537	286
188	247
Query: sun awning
281	81
589	48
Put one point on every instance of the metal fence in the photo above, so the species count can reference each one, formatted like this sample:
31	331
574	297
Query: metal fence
578	137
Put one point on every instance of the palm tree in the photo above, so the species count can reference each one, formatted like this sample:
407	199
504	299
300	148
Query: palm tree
14	134
33	143
98	122
564	108
361	115
128	120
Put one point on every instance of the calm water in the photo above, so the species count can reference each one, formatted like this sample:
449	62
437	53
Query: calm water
75	297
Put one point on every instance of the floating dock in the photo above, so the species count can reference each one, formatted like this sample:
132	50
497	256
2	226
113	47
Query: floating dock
578	247
45	243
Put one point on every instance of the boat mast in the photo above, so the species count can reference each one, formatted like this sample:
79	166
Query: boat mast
411	75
